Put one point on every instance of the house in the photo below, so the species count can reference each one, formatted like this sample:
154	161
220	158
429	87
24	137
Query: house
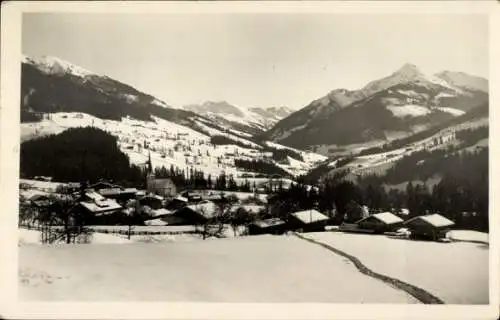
198	213
380	222
163	187
432	226
307	221
270	226
96	204
113	191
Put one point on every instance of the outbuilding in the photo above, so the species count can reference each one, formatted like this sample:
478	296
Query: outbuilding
307	221
380	222
433	226
270	226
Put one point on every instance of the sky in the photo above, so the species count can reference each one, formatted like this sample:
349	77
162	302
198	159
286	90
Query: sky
256	60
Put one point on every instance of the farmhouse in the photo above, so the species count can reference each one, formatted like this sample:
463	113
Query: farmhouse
433	226
113	191
271	226
380	222
198	213
96	204
308	221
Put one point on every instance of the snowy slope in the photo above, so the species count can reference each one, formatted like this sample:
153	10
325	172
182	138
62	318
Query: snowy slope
407	100
168	143
252	120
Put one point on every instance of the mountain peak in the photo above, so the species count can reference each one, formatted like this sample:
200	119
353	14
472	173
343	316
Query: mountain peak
55	65
408	70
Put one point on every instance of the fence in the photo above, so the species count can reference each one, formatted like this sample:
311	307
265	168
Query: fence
122	230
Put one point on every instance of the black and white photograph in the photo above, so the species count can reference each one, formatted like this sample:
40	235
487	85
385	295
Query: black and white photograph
275	156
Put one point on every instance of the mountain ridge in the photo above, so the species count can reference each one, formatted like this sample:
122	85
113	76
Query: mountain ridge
407	100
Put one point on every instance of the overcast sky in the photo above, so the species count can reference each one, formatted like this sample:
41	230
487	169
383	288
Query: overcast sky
256	60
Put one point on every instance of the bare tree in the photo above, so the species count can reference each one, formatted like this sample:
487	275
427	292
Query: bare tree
214	222
61	219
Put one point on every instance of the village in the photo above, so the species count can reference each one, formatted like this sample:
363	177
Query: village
162	209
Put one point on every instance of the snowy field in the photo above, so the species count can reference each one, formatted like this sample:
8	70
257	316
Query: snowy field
454	272
246	269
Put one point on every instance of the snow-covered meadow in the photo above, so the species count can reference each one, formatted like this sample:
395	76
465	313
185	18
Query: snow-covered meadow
455	272
246	269
251	269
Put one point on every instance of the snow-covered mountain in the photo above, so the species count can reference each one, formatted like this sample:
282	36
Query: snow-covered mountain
401	103
464	80
57	95
249	120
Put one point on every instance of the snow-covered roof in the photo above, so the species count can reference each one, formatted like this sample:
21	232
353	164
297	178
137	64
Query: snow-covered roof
309	216
436	220
160	212
385	217
181	198
207	209
155	222
101	205
268	222
28	194
94	196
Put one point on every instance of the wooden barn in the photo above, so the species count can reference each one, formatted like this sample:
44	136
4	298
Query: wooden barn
307	221
269	226
432	226
380	222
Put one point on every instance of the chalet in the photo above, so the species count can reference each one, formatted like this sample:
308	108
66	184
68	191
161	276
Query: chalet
380	222
270	226
113	191
307	221
198	213
96	204
433	226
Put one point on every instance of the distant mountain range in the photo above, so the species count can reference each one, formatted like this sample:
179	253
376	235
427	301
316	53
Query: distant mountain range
250	120
405	102
407	107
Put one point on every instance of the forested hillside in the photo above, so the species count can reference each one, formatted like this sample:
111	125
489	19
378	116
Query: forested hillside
78	154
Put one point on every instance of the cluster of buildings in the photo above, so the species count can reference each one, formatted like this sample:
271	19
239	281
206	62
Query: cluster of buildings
429	226
161	204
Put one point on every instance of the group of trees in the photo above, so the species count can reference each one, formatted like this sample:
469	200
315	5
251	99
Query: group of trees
461	193
78	154
260	166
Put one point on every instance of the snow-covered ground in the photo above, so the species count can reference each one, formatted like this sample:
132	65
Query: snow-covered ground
454	272
242	269
468	235
408	110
